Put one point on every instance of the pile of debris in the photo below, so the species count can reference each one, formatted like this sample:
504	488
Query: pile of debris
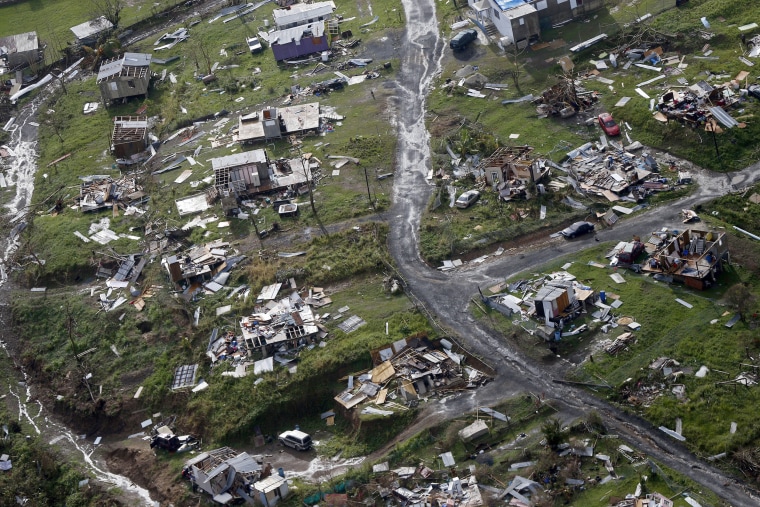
103	192
408	370
201	268
565	99
613	172
280	328
699	104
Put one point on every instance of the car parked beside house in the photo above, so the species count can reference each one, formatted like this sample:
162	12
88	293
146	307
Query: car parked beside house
463	39
467	199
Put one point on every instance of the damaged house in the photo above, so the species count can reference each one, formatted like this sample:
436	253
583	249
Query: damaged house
123	77
242	174
273	123
277	327
130	136
201	267
299	41
21	50
409	369
692	257
555	300
230	477
511	169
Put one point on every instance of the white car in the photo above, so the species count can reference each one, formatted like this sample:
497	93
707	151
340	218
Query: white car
298	440
254	45
466	199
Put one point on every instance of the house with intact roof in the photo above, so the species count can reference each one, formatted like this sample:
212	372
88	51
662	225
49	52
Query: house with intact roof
302	14
88	33
20	50
521	21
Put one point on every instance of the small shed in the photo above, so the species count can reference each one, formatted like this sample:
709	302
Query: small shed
125	76
271	490
552	299
88	33
473	431
20	50
299	41
130	136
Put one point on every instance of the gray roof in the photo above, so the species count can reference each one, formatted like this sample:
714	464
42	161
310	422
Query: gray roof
19	43
114	67
92	27
247	157
288	35
299	13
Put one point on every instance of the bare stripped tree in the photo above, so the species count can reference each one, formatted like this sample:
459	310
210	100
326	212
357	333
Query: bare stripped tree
110	9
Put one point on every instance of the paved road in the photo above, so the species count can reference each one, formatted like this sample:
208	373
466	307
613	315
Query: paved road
447	294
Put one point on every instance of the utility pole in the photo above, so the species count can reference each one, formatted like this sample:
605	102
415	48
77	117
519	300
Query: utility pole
715	142
369	196
307	175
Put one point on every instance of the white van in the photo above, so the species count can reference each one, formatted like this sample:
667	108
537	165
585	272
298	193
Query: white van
298	440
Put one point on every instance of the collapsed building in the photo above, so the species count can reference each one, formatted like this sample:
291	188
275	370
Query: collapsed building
697	105
276	327
554	300
230	477
693	257
409	369
202	267
510	170
614	172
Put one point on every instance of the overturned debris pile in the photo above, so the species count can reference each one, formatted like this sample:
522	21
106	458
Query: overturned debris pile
565	99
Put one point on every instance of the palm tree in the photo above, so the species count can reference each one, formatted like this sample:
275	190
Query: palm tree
108	49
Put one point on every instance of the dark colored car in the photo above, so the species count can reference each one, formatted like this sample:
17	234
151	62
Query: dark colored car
577	229
608	124
174	443
754	90
463	39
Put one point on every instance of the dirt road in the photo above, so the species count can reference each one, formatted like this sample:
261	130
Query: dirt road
447	294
